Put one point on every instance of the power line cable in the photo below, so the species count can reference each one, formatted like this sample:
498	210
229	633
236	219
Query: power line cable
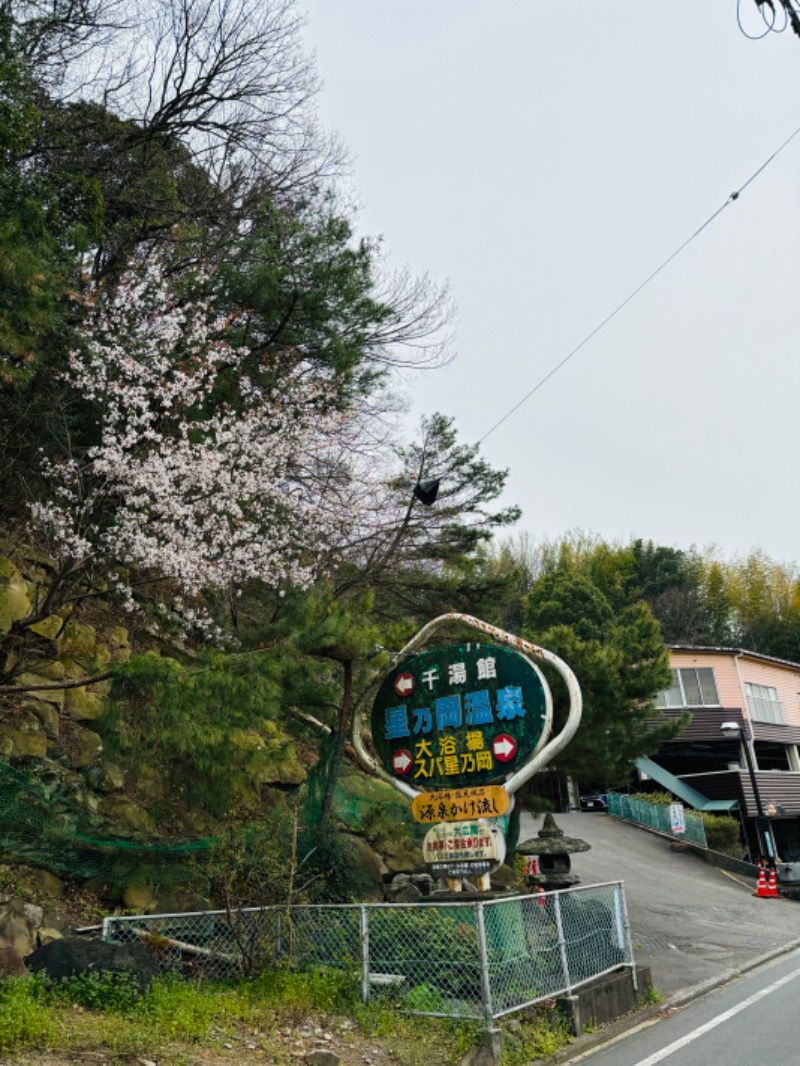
771	24
650	277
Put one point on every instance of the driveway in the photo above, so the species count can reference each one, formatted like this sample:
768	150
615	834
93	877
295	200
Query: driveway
690	921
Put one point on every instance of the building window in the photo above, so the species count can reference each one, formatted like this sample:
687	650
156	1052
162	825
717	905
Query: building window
764	703
691	687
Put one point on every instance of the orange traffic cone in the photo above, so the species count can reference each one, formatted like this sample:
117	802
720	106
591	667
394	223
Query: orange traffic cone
762	891
772	888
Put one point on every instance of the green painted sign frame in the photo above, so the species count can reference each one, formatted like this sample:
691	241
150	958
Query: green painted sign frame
460	716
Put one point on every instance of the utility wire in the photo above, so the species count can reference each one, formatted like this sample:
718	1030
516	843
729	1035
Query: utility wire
731	199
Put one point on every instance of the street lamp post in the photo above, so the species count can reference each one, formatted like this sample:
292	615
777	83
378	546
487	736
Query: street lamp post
733	731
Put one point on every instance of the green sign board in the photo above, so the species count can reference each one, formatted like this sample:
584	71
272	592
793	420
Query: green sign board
462	715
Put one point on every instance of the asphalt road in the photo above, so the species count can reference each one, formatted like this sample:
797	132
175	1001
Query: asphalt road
690	921
751	1021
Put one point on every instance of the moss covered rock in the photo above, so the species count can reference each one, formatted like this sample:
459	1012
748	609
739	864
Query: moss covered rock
279	765
371	863
140	898
46	715
52	671
130	815
84	747
25	745
10	577
78	641
118	643
48	627
43	883
84	705
150	783
247	740
73	670
54	696
13	606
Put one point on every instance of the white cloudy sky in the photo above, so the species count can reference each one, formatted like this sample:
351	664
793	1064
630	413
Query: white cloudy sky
544	158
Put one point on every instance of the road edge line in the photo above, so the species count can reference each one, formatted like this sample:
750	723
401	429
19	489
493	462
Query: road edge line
615	1030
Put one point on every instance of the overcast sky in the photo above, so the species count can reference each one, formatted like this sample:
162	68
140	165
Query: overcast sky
544	158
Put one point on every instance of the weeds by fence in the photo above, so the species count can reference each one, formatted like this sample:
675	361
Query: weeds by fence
459	960
656	816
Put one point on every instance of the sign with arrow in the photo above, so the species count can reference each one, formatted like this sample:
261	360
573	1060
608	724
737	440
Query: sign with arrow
404	684
461	716
504	747
402	761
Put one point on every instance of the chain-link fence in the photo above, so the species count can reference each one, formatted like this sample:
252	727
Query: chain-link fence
656	816
458	960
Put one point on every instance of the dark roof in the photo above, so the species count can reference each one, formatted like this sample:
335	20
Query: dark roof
734	651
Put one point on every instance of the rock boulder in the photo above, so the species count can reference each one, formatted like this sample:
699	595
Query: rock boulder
11	964
73	957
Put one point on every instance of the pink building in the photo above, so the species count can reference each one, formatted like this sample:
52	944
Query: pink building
762	694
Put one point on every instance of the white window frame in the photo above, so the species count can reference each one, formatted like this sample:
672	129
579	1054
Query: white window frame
677	671
764	703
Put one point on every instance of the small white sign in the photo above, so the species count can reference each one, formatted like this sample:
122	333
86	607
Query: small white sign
474	841
677	817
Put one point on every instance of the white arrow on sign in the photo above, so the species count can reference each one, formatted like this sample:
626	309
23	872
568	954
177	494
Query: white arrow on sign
504	747
401	761
403	683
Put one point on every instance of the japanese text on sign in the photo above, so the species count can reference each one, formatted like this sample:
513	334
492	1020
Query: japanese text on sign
455	805
460	842
462	714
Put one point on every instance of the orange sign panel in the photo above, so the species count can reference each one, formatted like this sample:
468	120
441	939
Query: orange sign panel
460	804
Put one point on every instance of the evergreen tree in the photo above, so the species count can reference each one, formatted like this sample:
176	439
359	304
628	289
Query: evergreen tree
621	664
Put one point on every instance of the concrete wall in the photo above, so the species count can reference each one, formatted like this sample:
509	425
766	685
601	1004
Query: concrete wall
601	1001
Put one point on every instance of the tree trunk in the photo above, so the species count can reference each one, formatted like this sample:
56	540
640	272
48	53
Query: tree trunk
339	740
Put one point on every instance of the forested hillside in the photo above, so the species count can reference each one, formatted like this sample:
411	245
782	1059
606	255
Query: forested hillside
209	534
207	520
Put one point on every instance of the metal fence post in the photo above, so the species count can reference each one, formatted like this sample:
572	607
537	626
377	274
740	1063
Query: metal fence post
364	954
562	943
486	983
621	912
278	937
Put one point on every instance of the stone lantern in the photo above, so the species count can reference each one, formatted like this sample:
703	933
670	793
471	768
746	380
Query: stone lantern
552	851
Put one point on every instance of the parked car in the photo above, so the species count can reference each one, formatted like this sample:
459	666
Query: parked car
593	801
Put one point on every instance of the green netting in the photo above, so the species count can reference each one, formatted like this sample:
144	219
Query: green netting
357	797
38	827
41	827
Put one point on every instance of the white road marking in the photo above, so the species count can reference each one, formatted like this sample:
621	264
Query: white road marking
664	1053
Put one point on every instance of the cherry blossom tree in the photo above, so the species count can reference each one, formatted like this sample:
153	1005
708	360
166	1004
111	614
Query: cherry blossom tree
197	472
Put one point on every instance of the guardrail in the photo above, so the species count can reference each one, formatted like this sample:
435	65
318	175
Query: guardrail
478	959
656	816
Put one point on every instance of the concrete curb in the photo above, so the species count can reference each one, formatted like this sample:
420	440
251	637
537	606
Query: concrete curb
582	1045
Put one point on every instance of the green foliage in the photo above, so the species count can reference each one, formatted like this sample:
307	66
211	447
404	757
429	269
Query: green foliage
752	601
723	834
213	727
461	520
40	1012
537	1038
535	804
621	664
319	989
651	997
103	991
26	1022
172	1016
568	597
663	799
335	315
